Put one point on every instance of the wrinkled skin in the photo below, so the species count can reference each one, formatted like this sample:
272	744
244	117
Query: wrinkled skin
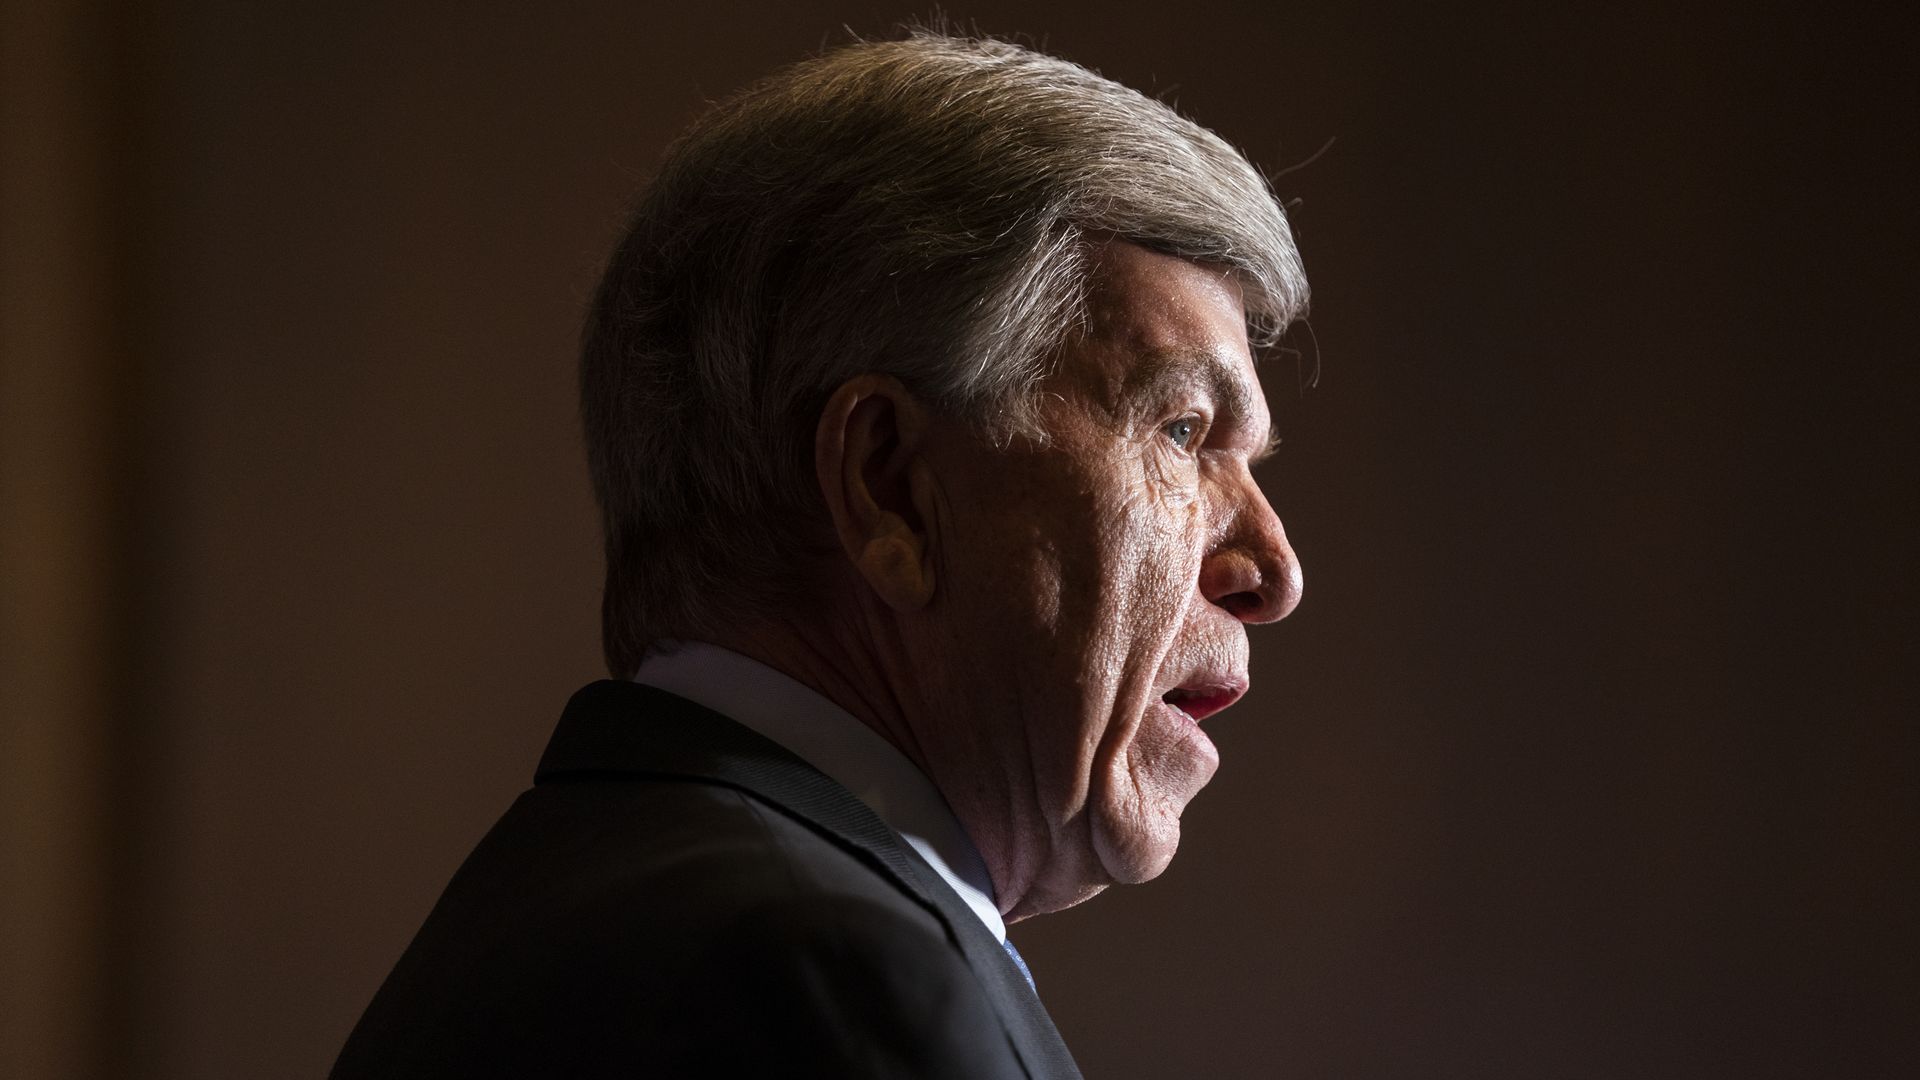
1076	582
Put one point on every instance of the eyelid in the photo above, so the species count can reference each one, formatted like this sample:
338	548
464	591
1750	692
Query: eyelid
1259	449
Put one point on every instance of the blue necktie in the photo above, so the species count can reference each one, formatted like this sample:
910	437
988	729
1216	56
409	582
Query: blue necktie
1019	963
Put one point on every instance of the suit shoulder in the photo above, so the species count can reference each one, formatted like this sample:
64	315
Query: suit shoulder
833	986
619	925
690	855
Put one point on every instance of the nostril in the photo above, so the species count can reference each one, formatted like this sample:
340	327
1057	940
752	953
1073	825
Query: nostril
1254	587
1242	605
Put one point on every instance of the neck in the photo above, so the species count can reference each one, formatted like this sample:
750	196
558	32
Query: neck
860	662
845	666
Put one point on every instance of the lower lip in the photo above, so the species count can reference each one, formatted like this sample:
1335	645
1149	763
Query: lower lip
1180	715
1188	729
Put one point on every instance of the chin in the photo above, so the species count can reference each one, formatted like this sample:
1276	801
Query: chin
1136	851
1133	853
1134	823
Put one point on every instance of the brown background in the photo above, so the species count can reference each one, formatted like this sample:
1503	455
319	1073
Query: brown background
1590	753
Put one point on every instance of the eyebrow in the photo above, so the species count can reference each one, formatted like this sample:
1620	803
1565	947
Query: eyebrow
1159	371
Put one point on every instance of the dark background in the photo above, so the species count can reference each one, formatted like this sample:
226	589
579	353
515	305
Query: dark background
1591	752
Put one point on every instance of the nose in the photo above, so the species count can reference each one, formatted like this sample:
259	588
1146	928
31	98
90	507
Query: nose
1252	573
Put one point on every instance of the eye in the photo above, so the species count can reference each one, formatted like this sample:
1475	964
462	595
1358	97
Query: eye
1182	431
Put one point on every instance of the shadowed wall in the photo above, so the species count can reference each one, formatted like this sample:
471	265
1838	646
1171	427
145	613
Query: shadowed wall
1589	753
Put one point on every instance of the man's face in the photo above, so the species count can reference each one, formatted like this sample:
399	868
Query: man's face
1095	590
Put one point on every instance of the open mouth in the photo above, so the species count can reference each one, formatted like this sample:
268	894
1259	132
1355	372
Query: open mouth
1203	702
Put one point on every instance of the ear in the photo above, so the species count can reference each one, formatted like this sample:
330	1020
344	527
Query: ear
878	487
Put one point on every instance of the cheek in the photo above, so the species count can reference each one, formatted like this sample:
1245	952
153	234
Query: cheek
1114	550
1151	761
1158	547
1115	584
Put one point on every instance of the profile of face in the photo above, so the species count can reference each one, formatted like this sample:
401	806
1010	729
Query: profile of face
1091	592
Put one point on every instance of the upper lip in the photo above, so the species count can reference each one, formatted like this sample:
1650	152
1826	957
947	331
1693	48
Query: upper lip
1202	695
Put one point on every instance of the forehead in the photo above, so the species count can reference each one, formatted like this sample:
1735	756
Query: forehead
1157	323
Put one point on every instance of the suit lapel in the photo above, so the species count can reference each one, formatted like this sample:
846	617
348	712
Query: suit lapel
1034	1037
615	727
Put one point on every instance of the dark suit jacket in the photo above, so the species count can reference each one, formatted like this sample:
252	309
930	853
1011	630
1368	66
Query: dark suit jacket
678	896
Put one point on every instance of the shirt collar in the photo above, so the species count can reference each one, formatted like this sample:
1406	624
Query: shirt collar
832	740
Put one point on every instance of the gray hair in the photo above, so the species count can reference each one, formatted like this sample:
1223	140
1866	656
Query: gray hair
923	208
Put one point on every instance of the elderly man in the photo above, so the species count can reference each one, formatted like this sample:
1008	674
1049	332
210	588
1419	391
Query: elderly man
920	407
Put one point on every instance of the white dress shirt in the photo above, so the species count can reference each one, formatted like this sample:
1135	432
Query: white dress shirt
830	739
